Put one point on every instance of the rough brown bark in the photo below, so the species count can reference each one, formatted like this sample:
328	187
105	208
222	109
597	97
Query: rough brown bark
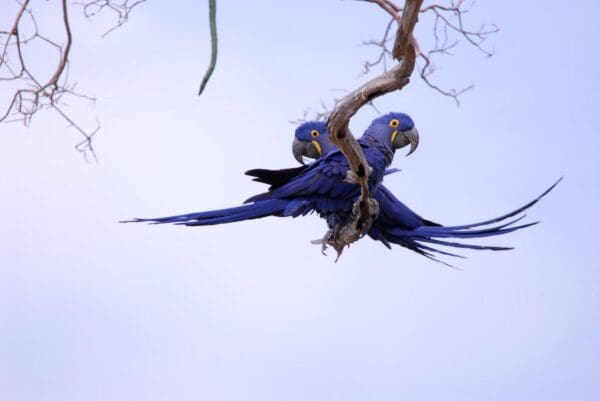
365	209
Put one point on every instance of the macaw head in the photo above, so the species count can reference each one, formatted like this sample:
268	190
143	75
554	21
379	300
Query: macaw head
395	130
311	139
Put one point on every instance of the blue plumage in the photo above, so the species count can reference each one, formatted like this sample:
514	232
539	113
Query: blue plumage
396	222
268	207
319	187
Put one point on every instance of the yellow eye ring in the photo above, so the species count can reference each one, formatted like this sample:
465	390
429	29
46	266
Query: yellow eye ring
314	133
394	123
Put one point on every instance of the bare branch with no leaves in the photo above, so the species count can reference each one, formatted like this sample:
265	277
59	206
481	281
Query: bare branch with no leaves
448	28
121	10
406	50
365	209
34	91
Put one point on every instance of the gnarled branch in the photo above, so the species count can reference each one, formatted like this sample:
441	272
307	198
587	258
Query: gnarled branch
365	208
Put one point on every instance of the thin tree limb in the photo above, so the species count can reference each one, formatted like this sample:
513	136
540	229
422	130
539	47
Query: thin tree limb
34	90
65	54
448	20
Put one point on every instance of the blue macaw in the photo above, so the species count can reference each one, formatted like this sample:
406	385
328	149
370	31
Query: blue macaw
320	186
396	223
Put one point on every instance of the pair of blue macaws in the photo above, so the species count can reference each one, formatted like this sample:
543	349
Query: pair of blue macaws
321	187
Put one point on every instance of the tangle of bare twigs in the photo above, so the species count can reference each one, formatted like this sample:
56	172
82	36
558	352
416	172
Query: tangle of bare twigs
447	30
33	91
120	9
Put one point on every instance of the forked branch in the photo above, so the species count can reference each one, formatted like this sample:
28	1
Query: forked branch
32	90
448	30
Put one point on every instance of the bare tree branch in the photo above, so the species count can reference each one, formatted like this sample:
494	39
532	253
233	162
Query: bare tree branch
120	9
32	91
406	50
447	18
385	51
365	208
476	38
325	111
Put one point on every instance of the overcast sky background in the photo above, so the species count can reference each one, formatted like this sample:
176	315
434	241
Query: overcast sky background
94	310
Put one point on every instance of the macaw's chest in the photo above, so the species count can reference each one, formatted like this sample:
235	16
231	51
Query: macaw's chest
379	160
338	209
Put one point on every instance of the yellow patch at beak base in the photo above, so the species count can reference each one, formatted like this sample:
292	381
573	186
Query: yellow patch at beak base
317	146
394	134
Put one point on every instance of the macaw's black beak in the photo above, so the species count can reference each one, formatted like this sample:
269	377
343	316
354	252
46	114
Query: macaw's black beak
403	138
308	149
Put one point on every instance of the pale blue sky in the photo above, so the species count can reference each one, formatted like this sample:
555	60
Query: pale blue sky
93	310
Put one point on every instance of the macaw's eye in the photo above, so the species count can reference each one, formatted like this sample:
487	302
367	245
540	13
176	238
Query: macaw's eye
314	133
394	123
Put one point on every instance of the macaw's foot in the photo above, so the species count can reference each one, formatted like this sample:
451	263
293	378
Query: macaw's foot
353	178
327	239
347	232
363	214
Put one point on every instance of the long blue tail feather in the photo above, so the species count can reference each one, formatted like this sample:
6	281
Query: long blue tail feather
426	251
423	250
510	214
467	246
436	250
447	232
269	207
414	239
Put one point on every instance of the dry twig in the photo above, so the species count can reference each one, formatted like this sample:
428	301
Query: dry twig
34	91
448	29
120	9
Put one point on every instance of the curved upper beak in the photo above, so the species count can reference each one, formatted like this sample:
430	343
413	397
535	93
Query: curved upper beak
308	149
404	138
298	149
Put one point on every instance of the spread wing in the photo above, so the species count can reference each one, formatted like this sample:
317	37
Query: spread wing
275	178
320	186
